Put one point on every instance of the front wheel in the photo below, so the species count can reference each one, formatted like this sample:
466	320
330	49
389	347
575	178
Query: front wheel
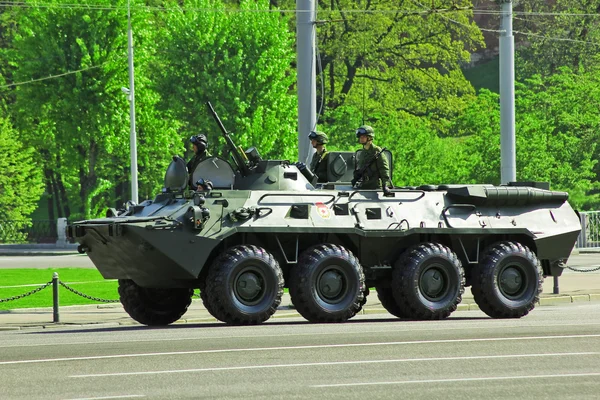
151	306
508	281
244	286
327	284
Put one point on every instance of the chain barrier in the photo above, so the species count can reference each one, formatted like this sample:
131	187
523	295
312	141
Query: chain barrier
34	291
85	296
585	270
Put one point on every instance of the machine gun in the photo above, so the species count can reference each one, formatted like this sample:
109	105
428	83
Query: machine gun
239	159
359	175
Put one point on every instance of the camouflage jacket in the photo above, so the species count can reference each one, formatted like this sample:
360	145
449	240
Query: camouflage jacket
377	172
318	166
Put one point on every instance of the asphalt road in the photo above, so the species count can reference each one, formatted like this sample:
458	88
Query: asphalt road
83	261
552	353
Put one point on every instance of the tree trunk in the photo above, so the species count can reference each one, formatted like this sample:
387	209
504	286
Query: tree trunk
51	193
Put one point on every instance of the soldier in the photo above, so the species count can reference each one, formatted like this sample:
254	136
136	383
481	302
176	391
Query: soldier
199	144
318	165
372	174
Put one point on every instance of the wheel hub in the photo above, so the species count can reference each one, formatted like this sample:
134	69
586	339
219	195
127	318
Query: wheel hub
248	286
433	283
511	281
331	284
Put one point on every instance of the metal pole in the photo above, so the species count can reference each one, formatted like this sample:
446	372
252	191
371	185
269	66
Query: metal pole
132	136
508	169
555	288
55	312
306	70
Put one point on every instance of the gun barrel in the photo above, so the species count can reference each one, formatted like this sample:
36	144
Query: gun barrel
237	157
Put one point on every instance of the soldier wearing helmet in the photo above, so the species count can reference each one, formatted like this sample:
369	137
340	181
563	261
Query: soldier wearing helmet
199	144
377	174
318	165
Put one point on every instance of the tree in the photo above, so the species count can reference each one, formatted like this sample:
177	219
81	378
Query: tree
546	151
240	61
383	56
545	52
79	122
20	183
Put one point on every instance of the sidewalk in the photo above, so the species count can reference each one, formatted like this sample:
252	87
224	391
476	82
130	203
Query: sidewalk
574	287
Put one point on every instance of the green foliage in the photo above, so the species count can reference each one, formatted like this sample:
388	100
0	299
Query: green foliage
548	148
544	54
80	122
386	56
20	183
240	61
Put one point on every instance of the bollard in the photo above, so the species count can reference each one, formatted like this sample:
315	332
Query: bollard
555	291
55	297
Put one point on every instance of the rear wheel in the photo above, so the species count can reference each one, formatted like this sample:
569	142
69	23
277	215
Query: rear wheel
244	286
508	281
327	284
150	306
428	282
386	297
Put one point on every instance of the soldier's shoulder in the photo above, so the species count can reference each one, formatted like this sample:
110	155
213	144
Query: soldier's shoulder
377	148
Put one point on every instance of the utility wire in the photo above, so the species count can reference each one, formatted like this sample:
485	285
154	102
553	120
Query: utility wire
53	76
230	10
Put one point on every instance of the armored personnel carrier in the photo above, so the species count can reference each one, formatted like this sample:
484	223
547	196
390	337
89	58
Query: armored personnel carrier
264	227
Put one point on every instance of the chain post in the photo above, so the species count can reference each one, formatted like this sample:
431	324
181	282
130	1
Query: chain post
56	315
555	289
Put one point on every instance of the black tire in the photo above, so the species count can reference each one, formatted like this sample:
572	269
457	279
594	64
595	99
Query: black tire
205	299
386	297
508	281
318	270
428	282
244	286
155	307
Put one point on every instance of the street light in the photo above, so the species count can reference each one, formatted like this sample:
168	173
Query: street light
131	97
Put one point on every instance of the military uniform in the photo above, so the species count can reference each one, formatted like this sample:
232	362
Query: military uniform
200	142
193	163
377	172
318	166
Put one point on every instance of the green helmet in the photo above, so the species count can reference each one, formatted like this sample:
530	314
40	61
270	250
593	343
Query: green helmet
320	137
365	130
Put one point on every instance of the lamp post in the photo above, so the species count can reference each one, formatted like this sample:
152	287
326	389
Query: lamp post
131	97
306	71
508	169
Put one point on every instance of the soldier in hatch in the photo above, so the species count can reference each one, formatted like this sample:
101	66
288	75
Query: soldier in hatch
318	165
372	174
199	144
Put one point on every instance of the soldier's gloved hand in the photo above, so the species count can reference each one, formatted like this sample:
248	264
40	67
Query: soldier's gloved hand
353	181
301	166
387	192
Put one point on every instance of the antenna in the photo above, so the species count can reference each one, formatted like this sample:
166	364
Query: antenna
364	79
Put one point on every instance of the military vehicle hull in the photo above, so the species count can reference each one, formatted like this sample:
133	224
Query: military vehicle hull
161	244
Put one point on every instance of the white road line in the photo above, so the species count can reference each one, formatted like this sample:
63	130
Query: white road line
491	378
334	363
125	396
421	327
307	347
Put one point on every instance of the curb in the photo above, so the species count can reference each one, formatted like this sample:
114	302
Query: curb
283	313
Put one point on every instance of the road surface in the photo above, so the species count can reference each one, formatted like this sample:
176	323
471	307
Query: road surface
552	353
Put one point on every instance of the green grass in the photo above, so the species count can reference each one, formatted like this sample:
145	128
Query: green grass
88	281
486	75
